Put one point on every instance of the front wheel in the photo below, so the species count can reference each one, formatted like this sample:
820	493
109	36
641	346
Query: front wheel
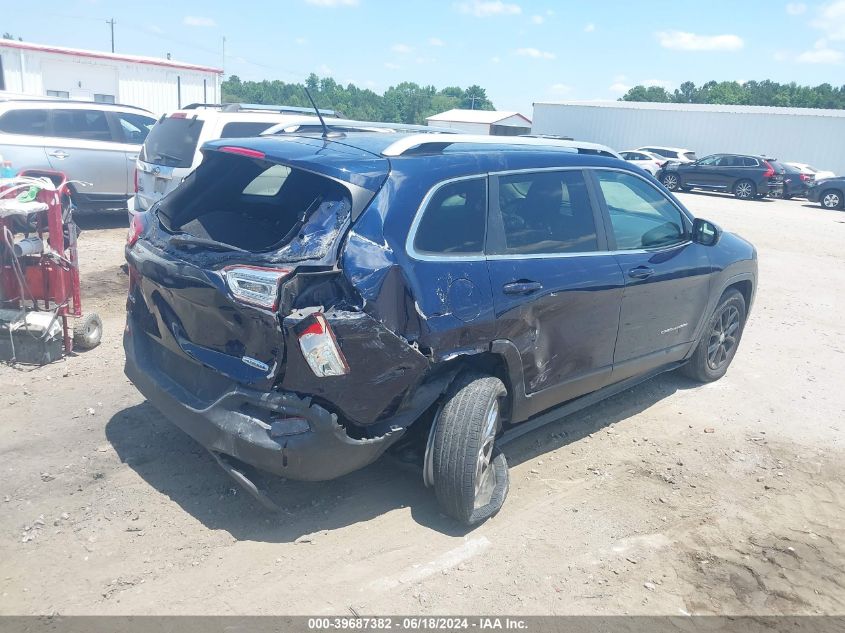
720	340
671	182
832	199
470	476
745	190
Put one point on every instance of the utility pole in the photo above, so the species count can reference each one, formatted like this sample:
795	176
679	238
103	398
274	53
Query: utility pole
472	102
111	24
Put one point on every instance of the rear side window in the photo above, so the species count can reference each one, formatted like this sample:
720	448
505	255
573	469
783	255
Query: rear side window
640	215
172	142
239	129
547	212
87	125
454	219
135	127
32	122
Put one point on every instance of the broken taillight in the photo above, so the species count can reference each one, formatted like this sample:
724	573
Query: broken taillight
136	228
255	285
320	348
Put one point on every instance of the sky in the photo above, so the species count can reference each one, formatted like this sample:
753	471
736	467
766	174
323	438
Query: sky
520	51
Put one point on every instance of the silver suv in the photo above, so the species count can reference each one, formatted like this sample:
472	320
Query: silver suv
94	143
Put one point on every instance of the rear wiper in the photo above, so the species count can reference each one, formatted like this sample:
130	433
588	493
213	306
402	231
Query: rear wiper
181	240
160	155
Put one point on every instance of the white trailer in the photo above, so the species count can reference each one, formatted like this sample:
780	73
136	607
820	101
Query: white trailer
803	135
158	85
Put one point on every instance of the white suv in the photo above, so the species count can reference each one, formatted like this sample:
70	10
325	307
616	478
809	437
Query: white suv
677	154
172	149
95	143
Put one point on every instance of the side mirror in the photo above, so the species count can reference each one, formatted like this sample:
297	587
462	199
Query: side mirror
704	232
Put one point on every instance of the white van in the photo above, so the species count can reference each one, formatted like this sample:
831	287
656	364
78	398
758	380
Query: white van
172	148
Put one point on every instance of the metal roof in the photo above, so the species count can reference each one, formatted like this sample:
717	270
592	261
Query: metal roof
699	107
79	52
475	116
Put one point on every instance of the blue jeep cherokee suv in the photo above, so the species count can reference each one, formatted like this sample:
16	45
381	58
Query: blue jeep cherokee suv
302	304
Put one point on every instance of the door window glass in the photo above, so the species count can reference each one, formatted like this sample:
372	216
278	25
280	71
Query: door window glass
454	220
711	160
547	212
88	125
640	215
26	121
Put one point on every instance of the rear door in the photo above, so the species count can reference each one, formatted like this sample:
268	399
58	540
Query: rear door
667	276
132	129
82	145
556	288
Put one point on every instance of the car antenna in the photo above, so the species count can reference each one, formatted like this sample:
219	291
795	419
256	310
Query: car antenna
317	110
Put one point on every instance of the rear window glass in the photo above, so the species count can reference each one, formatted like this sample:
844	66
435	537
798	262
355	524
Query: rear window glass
258	206
239	129
172	142
454	220
33	122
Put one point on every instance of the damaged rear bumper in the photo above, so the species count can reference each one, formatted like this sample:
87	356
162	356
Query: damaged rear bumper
240	422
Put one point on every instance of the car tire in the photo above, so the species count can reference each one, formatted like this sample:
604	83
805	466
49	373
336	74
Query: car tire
671	181
745	190
832	199
712	356
87	331
686	188
470	476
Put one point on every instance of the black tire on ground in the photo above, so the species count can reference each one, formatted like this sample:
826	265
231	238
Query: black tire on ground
671	181
745	190
470	476
686	188
787	196
87	331
720	339
832	199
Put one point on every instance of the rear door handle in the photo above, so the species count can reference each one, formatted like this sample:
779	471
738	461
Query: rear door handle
522	287
641	272
60	154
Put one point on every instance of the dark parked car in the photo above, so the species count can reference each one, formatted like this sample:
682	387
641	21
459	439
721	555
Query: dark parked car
829	193
795	182
303	304
747	177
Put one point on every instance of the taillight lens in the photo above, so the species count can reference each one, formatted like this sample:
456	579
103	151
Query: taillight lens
805	177
136	228
770	171
319	347
255	285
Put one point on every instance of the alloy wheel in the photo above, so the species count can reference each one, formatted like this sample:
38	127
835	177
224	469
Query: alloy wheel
485	478
831	200
744	190
670	182
723	338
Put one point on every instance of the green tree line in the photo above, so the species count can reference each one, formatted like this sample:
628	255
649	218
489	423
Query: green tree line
406	102
762	93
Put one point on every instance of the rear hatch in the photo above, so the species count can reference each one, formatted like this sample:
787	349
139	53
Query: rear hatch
207	273
166	157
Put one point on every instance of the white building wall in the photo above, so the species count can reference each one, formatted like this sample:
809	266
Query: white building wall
155	88
804	138
469	128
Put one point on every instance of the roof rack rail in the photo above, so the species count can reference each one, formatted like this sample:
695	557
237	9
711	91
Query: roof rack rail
341	126
260	107
4	98
435	142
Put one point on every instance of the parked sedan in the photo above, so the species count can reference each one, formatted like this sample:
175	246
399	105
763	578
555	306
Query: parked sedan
747	177
829	193
818	174
795	182
652	163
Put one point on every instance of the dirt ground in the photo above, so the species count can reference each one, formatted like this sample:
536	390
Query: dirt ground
670	498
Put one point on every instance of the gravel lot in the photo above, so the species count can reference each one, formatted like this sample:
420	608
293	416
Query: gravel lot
670	498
